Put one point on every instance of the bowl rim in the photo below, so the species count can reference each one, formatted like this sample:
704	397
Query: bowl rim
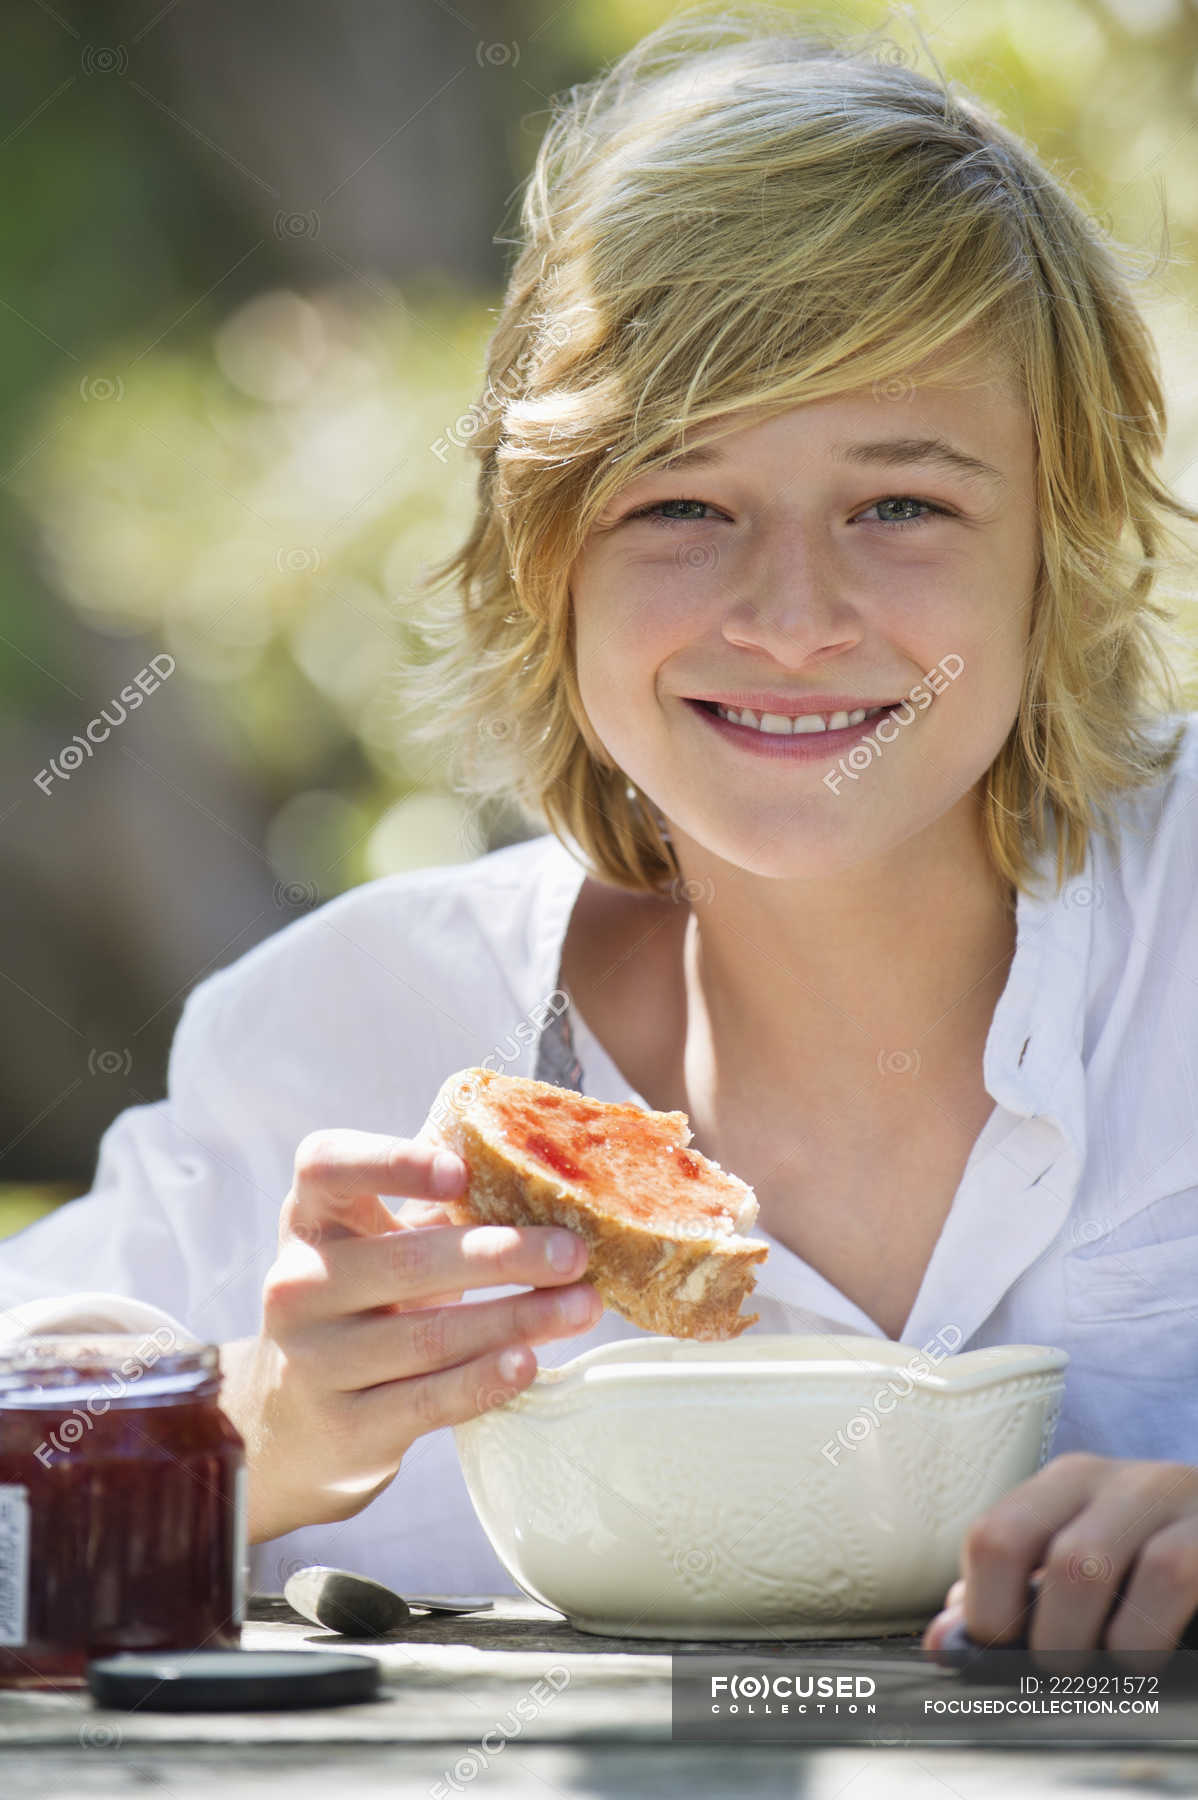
846	1361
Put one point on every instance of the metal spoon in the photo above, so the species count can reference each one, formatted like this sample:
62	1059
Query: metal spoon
357	1606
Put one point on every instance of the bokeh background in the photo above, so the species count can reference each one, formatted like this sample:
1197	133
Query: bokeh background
251	257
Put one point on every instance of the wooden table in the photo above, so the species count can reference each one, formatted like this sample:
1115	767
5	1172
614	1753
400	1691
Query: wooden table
451	1683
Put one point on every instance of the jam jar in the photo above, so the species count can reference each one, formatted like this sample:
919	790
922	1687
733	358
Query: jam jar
122	1504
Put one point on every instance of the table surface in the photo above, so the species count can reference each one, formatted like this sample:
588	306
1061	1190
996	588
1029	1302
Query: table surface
451	1682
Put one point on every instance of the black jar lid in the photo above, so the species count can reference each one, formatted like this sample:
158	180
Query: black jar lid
231	1680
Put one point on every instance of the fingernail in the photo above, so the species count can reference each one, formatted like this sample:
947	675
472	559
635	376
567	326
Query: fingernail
561	1250
511	1365
574	1308
446	1173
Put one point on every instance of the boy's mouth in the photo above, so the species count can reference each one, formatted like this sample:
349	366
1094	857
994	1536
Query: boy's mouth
770	724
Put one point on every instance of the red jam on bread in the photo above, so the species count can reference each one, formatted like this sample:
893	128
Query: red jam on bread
662	1223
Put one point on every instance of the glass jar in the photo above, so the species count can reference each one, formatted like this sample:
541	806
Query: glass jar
122	1504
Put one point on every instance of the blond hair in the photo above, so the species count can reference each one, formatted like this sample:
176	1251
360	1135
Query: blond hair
738	216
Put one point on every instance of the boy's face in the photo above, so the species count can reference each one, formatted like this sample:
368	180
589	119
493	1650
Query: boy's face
795	575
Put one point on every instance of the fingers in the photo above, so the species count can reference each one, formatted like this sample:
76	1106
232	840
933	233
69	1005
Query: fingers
374	1347
417	1215
339	1176
1128	1537
447	1396
938	1628
1161	1595
412	1266
1095	1526
952	1612
1004	1545
421	1212
367	1341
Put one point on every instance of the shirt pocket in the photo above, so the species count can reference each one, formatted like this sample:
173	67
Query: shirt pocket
1140	1281
1131	1321
1128	1300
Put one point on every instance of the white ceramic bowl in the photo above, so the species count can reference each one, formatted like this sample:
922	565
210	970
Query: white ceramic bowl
771	1486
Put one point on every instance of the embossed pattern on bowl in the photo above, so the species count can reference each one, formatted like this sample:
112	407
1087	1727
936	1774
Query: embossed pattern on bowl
773	1486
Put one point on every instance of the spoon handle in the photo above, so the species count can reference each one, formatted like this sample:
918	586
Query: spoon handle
445	1603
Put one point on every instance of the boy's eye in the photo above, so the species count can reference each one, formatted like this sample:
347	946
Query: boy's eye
655	513
895	511
910	511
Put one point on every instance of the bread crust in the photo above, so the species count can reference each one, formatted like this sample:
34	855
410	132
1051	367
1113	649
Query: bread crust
685	1283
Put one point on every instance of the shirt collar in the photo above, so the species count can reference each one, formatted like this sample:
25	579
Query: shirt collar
556	886
1033	1058
1032	1067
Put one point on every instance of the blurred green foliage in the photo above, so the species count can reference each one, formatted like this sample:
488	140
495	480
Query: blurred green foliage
263	501
22	1203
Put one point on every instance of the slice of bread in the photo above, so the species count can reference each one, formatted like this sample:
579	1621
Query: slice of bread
661	1222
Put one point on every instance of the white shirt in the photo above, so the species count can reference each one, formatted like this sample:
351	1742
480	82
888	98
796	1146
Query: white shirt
1075	1222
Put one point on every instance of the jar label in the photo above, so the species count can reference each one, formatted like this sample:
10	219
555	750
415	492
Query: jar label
14	1563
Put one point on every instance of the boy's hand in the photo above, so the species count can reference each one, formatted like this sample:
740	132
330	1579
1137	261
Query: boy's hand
1088	1524
365	1343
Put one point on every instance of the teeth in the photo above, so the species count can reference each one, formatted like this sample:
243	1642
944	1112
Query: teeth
782	726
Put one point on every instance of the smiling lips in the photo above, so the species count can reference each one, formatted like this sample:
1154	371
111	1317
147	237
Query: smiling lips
783	725
810	737
772	710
